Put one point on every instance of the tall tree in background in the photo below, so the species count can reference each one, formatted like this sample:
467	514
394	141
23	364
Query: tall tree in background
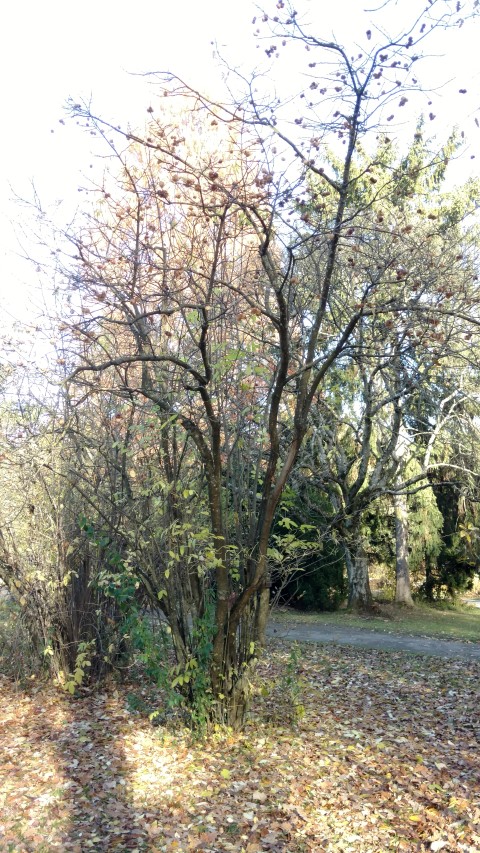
421	240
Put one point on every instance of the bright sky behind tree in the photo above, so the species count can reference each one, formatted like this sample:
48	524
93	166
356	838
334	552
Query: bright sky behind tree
98	49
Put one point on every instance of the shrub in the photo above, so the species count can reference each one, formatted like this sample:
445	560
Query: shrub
320	584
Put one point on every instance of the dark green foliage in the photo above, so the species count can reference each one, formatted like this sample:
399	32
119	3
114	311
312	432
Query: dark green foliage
315	577
186	685
321	583
447	578
458	561
378	529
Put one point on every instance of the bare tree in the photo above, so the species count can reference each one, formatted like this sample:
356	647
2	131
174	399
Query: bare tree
211	293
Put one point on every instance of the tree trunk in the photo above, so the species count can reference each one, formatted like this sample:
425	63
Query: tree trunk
403	594
359	592
429	585
262	614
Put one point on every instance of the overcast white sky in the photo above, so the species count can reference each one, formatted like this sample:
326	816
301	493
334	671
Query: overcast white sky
55	49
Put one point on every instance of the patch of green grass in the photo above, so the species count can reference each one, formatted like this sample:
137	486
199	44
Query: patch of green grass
459	622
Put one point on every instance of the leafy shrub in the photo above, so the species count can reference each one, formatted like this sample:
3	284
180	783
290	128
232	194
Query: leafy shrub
18	659
447	578
321	584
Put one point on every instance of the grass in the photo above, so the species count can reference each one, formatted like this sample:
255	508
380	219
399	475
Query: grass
455	622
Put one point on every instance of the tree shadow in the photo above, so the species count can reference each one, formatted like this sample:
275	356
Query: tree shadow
65	779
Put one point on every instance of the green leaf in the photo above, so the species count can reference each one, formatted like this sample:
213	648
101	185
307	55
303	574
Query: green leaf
287	523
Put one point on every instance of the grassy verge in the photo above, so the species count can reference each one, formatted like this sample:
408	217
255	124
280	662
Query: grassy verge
460	622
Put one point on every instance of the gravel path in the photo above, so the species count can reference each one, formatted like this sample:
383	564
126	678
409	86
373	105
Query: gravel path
365	639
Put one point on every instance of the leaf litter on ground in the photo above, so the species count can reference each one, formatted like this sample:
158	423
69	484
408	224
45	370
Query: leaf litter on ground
356	751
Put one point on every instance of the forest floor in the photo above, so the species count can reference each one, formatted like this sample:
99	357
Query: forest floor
347	750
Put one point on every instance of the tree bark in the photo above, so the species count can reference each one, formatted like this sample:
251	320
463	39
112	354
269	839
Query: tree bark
359	592
403	593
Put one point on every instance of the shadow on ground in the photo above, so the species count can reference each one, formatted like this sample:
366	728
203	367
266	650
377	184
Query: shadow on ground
383	757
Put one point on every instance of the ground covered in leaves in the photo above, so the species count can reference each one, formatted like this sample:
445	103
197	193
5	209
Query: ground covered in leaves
346	750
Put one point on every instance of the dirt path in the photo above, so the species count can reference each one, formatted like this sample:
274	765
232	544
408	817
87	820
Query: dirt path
363	638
